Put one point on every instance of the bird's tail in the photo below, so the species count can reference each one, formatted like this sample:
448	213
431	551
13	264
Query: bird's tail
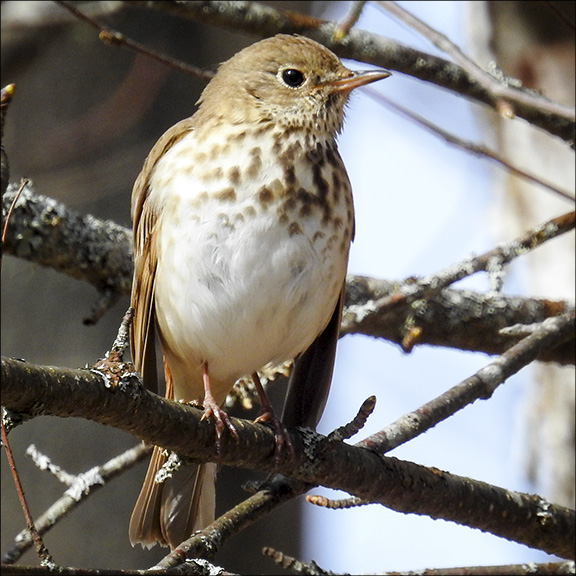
169	512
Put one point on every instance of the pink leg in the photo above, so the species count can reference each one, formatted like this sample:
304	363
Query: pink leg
267	415
211	408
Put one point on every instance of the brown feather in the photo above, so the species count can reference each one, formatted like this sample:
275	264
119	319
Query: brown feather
144	523
144	217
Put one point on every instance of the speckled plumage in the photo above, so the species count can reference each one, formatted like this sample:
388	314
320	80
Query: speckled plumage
243	219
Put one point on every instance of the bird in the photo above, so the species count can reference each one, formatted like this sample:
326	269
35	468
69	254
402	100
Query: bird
243	219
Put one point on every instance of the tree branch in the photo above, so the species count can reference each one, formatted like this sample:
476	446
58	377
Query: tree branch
461	319
271	494
478	386
47	232
312	569
400	485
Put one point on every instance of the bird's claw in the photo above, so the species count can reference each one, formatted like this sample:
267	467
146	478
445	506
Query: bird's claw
282	440
222	422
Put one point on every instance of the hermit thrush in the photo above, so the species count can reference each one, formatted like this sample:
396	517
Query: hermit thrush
243	219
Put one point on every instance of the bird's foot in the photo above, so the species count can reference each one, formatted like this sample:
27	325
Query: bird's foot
282	441
221	420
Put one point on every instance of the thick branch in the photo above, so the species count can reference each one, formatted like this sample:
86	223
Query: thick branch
45	231
400	485
460	319
363	46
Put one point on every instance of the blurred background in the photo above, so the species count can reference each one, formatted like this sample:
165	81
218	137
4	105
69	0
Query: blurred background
83	119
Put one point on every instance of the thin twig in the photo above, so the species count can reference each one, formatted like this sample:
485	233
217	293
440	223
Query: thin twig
295	566
341	504
507	90
80	488
477	149
41	549
43	462
352	428
115	38
481	385
23	185
345	25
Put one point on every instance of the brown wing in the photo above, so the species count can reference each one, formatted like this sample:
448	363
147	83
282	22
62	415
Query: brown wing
311	376
144	217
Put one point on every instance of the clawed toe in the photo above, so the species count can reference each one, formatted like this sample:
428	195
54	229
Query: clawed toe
222	422
282	440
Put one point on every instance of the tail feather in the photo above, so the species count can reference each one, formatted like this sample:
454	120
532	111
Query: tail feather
172	511
188	502
145	521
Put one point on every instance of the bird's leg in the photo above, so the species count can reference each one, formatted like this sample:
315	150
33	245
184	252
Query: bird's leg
211	408
267	415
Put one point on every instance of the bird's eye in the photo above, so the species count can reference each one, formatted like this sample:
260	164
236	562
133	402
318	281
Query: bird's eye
292	78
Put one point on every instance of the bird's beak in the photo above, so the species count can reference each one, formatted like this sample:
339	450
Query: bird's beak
358	78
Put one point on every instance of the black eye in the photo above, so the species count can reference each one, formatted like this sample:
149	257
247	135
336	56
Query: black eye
292	77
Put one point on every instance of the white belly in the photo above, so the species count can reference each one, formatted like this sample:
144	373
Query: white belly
243	283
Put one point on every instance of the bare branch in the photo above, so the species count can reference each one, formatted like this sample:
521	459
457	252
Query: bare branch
45	231
352	428
192	567
80	488
33	532
312	569
295	566
400	485
461	319
324	502
479	386
478	149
